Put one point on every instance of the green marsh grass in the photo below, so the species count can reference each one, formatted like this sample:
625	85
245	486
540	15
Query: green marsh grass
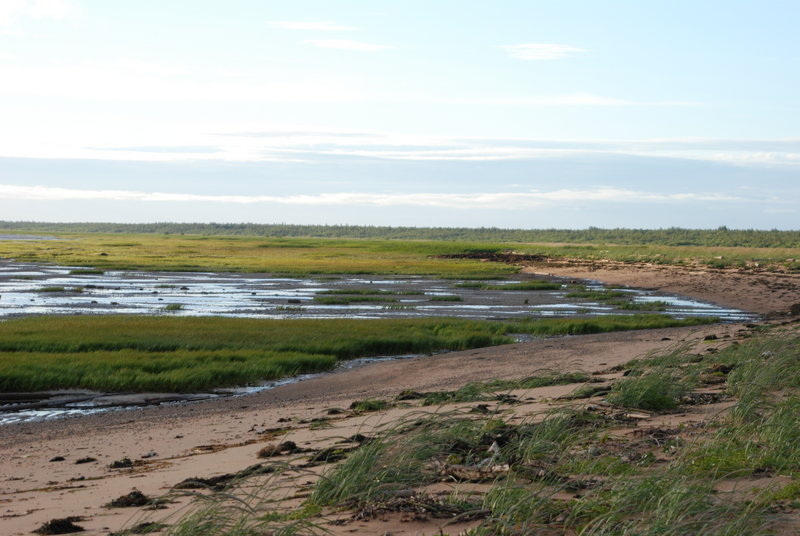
54	288
291	256
597	295
298	255
188	353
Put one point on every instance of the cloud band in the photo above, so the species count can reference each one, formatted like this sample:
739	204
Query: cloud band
471	201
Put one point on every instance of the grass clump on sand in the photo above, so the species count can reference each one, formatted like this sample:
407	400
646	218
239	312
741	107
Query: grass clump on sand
656	390
761	433
582	470
380	468
178	353
480	391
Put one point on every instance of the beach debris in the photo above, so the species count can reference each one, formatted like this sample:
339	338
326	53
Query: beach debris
218	483
410	394
357	438
483	409
418	507
150	454
132	499
147	527
330	455
64	525
470	473
272	450
121	463
505	398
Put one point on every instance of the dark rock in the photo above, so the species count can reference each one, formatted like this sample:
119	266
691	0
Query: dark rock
794	309
87	459
57	459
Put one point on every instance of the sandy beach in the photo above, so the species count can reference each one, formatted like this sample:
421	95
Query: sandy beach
168	444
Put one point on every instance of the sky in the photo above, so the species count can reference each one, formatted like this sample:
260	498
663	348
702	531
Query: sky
448	113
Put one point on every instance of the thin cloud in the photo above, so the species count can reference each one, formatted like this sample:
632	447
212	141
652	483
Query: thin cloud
347	44
324	26
199	149
12	11
541	51
492	200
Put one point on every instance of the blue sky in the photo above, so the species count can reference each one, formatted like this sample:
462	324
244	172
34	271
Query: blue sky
524	113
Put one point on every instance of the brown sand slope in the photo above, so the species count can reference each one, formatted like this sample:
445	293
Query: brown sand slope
758	292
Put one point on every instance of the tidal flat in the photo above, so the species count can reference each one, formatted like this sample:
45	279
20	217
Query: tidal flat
37	289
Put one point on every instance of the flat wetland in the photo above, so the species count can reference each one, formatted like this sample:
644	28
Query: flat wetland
679	426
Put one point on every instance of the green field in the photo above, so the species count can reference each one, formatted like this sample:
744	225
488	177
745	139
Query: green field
189	354
303	255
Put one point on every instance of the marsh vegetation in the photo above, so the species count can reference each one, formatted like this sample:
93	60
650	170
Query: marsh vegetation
421	254
190	354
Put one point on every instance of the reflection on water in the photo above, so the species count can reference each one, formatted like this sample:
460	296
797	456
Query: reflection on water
27	289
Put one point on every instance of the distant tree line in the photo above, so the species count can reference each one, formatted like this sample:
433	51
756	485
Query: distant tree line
673	236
